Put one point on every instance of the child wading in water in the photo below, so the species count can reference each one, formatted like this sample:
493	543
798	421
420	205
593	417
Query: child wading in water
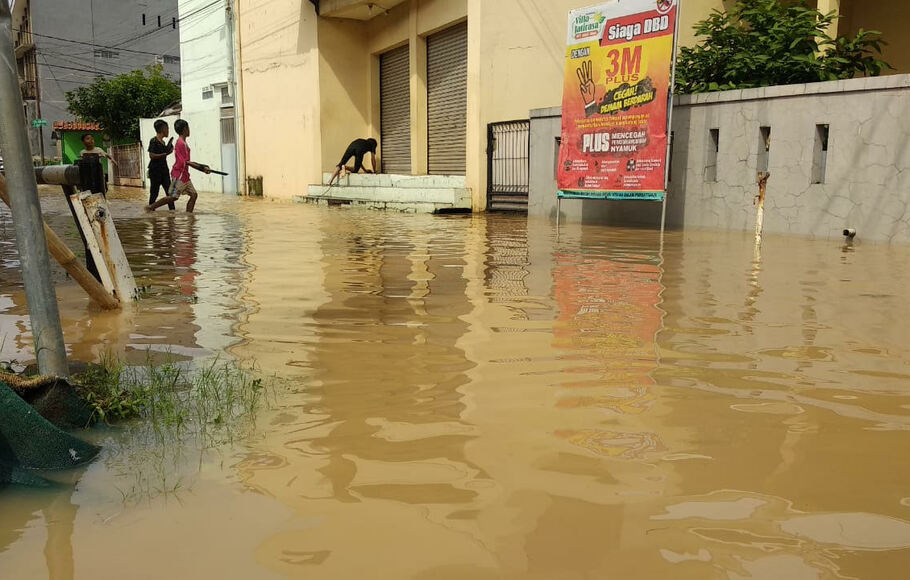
180	173
159	174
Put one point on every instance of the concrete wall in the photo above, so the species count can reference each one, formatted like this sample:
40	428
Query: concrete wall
866	184
280	70
206	58
64	65
344	81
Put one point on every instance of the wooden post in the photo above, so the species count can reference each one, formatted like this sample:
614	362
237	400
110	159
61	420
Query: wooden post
760	202
67	259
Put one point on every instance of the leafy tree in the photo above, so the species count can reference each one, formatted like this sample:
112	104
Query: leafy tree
119	102
769	42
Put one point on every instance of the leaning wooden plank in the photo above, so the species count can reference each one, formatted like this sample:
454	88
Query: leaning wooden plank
99	215
67	259
83	222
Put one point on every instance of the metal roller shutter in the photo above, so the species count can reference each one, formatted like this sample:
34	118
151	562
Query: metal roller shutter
447	100
395	111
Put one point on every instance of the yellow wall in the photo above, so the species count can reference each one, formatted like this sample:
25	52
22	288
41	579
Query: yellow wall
344	87
890	17
410	23
280	68
516	62
312	85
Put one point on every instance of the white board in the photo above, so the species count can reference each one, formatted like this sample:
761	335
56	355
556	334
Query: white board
91	242
92	209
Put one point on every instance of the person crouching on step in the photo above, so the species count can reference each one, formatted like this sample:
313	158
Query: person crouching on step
357	149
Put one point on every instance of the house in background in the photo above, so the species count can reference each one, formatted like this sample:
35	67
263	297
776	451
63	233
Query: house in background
442	84
26	68
70	44
207	86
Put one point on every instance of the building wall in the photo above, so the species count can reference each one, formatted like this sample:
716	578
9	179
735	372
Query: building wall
67	34
27	69
890	17
515	64
344	82
206	58
866	185
280	69
517	61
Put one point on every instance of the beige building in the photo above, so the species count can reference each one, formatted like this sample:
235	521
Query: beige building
424	77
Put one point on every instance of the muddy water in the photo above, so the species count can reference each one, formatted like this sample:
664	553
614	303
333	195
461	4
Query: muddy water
468	397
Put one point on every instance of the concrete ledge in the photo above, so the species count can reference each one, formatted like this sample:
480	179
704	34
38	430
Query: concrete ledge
883	83
547	112
405	199
400	181
381	205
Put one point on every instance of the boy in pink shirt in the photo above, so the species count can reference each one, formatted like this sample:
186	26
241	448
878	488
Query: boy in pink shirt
180	173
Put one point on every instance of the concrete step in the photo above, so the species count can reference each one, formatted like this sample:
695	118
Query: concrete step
405	199
400	181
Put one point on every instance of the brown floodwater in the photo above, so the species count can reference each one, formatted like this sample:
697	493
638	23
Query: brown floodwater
465	397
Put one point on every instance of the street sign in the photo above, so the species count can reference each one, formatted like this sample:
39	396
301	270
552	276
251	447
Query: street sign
39	123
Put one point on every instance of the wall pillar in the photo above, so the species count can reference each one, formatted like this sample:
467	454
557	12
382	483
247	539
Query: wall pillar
826	6
476	168
417	47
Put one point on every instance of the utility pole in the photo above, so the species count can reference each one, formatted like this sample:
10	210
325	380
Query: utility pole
23	191
235	78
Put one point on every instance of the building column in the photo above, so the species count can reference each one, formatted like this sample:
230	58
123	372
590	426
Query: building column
417	57
826	6
476	168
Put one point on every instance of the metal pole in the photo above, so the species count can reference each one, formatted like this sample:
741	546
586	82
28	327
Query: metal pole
670	99
20	174
237	86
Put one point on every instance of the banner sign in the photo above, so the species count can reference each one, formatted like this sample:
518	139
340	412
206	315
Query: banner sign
616	94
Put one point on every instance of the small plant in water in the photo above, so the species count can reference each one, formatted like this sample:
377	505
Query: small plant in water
170	395
167	410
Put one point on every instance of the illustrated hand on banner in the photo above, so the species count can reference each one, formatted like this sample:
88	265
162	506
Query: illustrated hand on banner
588	89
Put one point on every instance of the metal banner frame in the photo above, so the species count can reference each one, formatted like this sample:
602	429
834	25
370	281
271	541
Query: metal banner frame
660	196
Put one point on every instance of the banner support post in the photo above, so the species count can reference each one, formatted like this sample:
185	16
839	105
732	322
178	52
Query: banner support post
558	208
670	98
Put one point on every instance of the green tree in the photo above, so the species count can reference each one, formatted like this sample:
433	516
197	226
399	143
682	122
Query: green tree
119	102
768	42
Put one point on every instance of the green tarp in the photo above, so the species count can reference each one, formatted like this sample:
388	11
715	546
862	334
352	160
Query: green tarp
29	442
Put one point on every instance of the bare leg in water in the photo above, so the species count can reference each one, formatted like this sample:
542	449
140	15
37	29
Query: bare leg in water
340	170
160	202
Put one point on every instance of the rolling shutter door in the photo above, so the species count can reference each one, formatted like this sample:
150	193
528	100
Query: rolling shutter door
395	111
447	100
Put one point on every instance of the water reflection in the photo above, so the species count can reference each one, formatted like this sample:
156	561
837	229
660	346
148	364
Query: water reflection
467	397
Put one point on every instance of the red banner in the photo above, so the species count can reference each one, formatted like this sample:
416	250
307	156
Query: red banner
619	65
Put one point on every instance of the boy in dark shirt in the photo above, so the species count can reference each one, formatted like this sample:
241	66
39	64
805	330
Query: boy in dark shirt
357	149
159	175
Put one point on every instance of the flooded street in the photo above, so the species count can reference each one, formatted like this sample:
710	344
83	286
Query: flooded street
468	397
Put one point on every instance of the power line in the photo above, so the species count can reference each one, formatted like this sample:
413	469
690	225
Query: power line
179	20
100	67
91	44
170	14
119	45
52	74
94	72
